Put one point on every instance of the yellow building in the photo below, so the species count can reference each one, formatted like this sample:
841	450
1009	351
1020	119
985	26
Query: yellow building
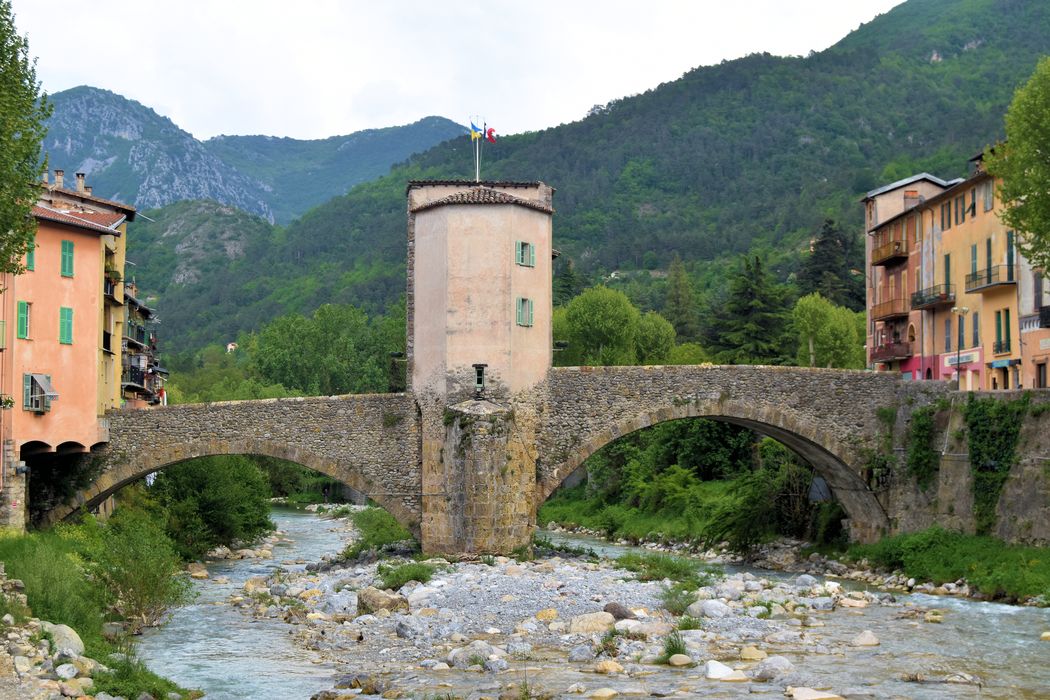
969	292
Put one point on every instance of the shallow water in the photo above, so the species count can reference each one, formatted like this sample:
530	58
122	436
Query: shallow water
228	654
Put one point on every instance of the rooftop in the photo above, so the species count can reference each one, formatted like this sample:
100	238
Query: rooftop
907	181
483	195
99	222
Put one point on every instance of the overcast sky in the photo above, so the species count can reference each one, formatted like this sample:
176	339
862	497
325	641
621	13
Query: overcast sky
316	68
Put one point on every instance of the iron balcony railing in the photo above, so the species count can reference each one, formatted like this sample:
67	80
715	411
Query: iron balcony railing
888	352
890	309
937	295
991	277
1000	347
890	250
134	375
1044	316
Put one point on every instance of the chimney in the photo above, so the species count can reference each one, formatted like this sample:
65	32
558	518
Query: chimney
44	178
87	190
80	182
60	176
911	198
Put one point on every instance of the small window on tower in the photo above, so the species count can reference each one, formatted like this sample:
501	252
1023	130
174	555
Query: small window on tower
525	253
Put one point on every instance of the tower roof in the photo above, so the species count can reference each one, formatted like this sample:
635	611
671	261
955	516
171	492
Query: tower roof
484	194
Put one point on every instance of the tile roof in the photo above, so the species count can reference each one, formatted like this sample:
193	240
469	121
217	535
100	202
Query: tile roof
84	196
906	181
482	195
99	222
461	183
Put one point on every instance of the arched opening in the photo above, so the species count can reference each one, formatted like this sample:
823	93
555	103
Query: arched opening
911	332
835	470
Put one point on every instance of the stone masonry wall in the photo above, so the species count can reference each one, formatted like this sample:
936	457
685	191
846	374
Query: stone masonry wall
369	442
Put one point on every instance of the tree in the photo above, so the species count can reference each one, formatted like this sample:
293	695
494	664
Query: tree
828	335
602	327
828	270
24	109
680	308
1024	166
749	326
655	339
566	283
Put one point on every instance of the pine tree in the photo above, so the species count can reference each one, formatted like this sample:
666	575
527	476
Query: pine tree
749	326
24	110
829	269
680	308
566	283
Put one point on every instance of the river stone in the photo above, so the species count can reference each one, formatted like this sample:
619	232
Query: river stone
603	693
770	668
66	672
934	616
805	581
866	638
547	615
628	626
821	603
752	653
709	608
1045	636
22	665
410	628
728	592
716	670
679	660
496	665
608	666
197	570
619	611
583	652
852	603
372	600
810	694
64	636
735	677
591	622
519	649
464	657
8	620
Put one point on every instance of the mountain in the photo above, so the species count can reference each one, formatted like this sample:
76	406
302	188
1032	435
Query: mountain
750	154
135	155
299	175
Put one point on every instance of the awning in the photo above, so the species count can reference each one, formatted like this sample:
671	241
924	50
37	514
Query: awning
46	390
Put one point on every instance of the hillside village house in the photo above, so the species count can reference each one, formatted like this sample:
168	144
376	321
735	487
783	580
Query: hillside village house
949	296
61	327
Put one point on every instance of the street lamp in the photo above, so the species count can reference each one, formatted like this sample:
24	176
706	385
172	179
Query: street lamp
961	312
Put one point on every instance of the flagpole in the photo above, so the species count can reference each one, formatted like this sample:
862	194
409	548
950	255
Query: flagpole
477	158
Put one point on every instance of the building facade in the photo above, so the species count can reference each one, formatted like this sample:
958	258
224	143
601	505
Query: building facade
60	369
949	294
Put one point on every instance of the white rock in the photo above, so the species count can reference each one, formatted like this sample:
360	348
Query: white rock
866	638
770	668
716	670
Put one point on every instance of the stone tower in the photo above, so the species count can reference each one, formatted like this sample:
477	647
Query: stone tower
479	335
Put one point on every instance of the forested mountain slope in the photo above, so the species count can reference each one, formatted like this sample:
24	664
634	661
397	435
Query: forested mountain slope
748	154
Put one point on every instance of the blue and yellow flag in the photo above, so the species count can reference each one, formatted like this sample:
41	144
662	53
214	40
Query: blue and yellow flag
475	132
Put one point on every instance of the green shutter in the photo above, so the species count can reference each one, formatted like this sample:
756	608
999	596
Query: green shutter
65	326
532	256
998	327
530	311
973	260
23	319
947	268
1010	255
47	399
31	257
27	391
1006	322
976	329
517	252
519	309
67	258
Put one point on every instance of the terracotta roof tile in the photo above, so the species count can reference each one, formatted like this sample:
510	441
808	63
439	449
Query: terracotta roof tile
483	195
84	196
98	222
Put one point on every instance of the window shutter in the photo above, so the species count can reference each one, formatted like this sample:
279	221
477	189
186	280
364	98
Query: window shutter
47	399
23	319
65	325
530	311
31	257
532	256
67	258
976	329
519	305
27	391
517	252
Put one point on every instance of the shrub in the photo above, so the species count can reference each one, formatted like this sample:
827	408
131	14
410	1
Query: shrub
396	576
689	623
657	567
677	598
376	528
673	644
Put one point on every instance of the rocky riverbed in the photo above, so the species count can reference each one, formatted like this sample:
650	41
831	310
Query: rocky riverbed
568	627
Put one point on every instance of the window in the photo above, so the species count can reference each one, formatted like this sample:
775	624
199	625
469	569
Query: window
1006	329
960	209
23	319
998	328
948	334
1010	255
479	377
525	254
976	330
946	216
973	260
988	194
31	256
947	269
65	325
1040	376
37	392
67	258
524	312
973	203
988	256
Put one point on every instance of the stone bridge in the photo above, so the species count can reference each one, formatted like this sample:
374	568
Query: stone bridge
496	461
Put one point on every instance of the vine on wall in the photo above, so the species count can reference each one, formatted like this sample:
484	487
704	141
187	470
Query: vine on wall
922	460
993	427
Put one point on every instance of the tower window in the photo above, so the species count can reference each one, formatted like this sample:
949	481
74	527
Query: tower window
525	253
524	311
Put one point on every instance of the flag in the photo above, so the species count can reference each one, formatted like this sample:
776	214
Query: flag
490	134
475	132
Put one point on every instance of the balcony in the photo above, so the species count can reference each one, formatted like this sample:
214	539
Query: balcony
932	297
894	308
133	376
1044	316
135	334
888	252
888	352
1001	347
994	276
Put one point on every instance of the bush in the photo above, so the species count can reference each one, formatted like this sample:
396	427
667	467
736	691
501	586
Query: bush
677	598
394	577
657	567
376	528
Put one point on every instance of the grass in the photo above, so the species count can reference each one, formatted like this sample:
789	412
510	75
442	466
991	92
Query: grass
609	644
673	644
687	622
545	543
995	568
658	567
376	528
678	597
394	577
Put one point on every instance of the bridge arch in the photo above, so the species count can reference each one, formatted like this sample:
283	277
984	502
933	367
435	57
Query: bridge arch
120	472
831	457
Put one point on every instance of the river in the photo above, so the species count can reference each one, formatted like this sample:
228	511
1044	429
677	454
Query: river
228	654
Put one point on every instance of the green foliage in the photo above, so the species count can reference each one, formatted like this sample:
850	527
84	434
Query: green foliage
922	459
993	427
57	478
677	597
601	325
129	677
213	501
660	567
394	577
687	354
673	644
832	269
990	565
24	109
828	335
655	339
749	325
681	307
609	644
1021	162
685	622
376	528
